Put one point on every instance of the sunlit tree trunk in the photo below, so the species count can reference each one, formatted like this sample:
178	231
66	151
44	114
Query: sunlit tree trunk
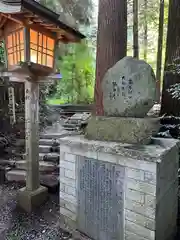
111	41
159	52
135	29
145	30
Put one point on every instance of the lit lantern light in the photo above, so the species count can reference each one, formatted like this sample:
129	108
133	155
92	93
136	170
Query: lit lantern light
31	33
15	47
40	50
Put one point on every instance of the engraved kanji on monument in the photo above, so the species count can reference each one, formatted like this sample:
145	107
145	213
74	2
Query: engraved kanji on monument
129	89
100	198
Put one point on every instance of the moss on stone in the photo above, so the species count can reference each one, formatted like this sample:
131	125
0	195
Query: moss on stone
125	130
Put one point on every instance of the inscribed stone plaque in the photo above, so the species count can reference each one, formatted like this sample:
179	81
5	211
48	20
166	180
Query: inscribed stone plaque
129	89
100	199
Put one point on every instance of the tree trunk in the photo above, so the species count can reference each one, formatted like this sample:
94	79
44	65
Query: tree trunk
111	41
135	29
159	52
170	105
145	30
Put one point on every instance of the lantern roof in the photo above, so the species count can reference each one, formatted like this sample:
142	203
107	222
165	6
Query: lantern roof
29	12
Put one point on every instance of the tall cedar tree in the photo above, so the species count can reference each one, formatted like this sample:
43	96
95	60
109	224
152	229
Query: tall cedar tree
111	41
135	29
145	29
160	48
169	105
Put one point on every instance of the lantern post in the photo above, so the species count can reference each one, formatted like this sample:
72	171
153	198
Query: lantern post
31	33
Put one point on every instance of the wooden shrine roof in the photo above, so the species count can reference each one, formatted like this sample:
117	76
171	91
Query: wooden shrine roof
29	12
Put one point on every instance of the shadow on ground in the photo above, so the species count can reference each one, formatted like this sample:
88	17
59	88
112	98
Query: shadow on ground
42	224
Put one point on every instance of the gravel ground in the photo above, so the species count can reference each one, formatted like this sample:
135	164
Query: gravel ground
43	224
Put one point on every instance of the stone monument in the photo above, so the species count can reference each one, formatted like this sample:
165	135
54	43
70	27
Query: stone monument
121	183
129	92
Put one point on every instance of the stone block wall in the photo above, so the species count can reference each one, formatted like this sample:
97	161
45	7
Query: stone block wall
68	193
167	191
150	185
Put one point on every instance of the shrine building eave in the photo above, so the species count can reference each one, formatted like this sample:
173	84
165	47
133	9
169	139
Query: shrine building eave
30	12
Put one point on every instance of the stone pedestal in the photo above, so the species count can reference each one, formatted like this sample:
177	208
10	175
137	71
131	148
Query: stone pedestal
33	194
122	129
28	200
110	190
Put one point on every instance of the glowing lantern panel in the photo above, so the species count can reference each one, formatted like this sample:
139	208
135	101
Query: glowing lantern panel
15	47
41	49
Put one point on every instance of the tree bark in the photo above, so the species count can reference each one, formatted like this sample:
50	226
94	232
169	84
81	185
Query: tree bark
111	41
135	29
145	30
168	104
159	52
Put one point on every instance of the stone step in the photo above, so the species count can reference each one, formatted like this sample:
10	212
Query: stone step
53	135
7	162
16	176
48	180
49	149
72	128
79	117
47	142
20	143
49	157
43	166
3	171
59	135
72	121
72	125
44	148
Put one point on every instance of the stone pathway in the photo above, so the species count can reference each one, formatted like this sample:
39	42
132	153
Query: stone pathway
43	224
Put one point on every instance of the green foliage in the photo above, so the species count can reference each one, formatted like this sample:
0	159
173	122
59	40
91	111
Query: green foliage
174	68
75	62
78	70
1	52
175	91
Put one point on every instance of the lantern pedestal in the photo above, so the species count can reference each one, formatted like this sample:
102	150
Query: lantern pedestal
33	194
30	68
28	200
30	42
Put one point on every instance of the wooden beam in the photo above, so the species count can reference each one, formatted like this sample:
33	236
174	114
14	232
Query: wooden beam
29	15
48	25
37	21
1	34
3	21
28	22
42	29
20	13
53	28
9	16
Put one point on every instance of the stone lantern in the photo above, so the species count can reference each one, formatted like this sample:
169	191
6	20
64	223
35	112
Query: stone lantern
31	33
